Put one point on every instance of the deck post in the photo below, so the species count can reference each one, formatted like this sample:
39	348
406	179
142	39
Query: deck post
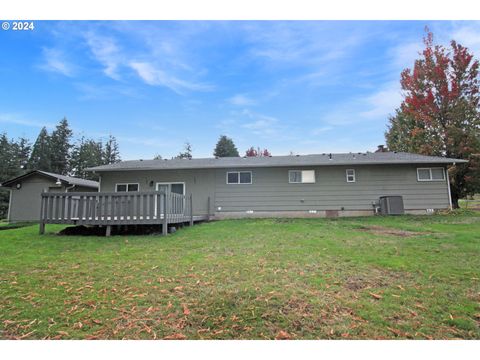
108	230
208	208
41	229
165	212
191	209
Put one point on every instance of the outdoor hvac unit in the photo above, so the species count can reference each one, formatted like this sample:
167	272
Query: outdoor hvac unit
391	205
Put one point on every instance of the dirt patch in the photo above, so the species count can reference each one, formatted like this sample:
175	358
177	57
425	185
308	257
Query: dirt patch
82	230
380	230
376	278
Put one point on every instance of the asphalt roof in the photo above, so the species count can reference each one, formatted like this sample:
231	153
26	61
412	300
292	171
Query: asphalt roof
276	161
65	179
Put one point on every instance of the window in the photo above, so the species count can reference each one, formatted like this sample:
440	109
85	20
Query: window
301	176
430	174
239	177
126	187
350	175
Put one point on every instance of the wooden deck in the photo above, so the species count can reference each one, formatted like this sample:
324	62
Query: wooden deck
118	208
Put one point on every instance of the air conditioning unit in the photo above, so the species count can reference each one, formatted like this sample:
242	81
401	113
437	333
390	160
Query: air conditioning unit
391	205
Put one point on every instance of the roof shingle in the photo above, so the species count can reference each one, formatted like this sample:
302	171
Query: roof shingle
276	161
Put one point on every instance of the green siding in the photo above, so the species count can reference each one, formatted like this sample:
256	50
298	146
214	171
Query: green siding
200	183
25	203
271	191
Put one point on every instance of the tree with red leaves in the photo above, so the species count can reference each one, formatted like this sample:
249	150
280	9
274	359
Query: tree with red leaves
252	152
440	112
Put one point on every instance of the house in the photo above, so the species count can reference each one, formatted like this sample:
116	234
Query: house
347	184
25	192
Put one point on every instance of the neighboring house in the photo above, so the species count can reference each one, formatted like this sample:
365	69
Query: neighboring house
346	184
25	192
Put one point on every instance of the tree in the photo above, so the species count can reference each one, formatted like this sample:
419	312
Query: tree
86	153
13	156
252	152
60	147
187	152
225	148
40	158
157	157
111	153
440	112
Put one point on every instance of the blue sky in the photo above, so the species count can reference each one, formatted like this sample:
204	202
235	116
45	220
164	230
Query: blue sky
306	87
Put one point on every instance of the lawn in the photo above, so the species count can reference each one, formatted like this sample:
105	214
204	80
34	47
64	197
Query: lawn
352	278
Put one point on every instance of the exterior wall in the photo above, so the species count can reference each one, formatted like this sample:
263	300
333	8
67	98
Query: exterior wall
270	193
200	183
25	203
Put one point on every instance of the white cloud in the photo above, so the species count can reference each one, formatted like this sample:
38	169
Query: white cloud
157	77
19	120
54	61
468	35
404	55
321	130
106	51
376	106
241	100
260	124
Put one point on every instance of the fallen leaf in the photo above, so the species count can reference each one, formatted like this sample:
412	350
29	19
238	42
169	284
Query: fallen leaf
178	336
283	335
185	310
78	325
376	296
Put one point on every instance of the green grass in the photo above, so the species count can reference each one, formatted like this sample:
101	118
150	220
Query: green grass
472	202
359	278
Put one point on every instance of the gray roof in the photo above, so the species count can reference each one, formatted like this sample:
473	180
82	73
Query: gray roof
276	161
64	179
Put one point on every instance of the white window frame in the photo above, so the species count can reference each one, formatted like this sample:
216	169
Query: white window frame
116	186
302	182
431	177
239	183
170	185
354	175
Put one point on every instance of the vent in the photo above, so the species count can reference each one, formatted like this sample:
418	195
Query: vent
391	205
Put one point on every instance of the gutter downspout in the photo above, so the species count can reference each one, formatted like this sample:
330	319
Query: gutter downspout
69	188
9	205
448	184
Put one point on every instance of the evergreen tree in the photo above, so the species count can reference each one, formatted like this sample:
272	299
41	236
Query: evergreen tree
111	153
60	147
40	158
225	148
13	155
187	152
86	153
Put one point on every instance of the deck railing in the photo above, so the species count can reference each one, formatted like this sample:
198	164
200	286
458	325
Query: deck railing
115	208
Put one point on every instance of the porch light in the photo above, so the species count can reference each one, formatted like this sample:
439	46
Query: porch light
58	182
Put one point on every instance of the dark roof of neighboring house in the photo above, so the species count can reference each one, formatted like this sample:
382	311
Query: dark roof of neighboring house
67	180
276	161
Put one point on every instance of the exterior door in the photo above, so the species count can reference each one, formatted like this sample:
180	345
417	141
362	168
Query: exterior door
176	206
